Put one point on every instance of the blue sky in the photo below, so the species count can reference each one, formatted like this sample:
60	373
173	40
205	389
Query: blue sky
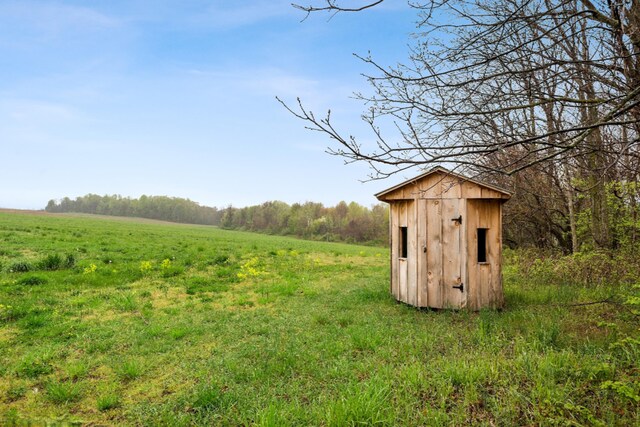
177	98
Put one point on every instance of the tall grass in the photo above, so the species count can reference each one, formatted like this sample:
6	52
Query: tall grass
244	329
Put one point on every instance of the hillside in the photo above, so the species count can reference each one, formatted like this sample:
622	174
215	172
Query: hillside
350	223
118	322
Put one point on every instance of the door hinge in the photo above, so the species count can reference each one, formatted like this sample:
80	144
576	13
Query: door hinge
458	220
460	286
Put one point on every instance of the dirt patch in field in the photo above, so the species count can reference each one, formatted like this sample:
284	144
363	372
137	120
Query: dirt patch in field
24	211
7	334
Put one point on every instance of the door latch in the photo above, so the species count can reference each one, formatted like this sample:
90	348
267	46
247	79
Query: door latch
460	286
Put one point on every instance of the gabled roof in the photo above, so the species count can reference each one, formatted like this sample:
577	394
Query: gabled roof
439	169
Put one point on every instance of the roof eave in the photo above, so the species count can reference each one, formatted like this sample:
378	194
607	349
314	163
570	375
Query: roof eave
445	171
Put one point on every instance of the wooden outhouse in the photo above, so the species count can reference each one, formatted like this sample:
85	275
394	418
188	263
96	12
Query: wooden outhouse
446	241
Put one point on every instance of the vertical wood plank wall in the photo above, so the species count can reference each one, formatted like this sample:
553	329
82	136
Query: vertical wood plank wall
484	279
464	254
442	253
394	234
434	252
403	275
412	253
402	262
452	260
423	246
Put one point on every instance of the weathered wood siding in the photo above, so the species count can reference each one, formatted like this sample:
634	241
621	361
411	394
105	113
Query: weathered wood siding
452	257
440	185
422	255
484	279
434	253
403	270
443	252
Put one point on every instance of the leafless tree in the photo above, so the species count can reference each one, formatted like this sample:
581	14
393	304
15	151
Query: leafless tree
498	87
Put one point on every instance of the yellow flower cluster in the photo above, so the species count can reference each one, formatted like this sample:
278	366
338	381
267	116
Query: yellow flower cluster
91	269
250	269
145	266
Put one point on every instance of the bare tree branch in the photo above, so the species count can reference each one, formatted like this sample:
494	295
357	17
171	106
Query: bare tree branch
543	89
333	7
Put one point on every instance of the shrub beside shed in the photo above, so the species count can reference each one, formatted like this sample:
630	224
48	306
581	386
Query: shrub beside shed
446	241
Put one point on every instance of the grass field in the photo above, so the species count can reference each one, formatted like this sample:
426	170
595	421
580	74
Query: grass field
124	322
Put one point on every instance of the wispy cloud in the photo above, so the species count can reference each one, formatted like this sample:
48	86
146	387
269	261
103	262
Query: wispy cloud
272	81
35	111
204	15
53	18
226	15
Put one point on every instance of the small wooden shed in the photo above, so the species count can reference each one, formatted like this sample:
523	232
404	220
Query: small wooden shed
446	241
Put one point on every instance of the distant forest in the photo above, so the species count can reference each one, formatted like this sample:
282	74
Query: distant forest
345	222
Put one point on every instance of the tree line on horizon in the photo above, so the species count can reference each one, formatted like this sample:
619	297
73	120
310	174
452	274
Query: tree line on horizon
344	222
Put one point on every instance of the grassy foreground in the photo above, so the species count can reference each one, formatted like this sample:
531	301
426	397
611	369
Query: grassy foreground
107	321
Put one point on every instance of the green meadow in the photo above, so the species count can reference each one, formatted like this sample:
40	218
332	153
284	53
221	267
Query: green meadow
107	321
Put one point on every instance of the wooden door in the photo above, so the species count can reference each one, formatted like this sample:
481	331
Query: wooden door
445	254
453	254
433	246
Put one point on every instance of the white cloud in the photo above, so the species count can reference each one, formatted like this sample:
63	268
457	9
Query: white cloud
52	19
271	82
35	111
227	15
207	15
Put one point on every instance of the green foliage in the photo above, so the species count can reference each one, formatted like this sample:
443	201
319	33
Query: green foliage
596	268
623	214
16	392
70	261
6	312
344	222
627	353
362	407
220	259
129	370
107	401
125	301
36	318
211	398
624	389
34	365
633	299
63	392
605	212
51	262
20	267
203	284
164	208
11	418
32	280
77	370
172	271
